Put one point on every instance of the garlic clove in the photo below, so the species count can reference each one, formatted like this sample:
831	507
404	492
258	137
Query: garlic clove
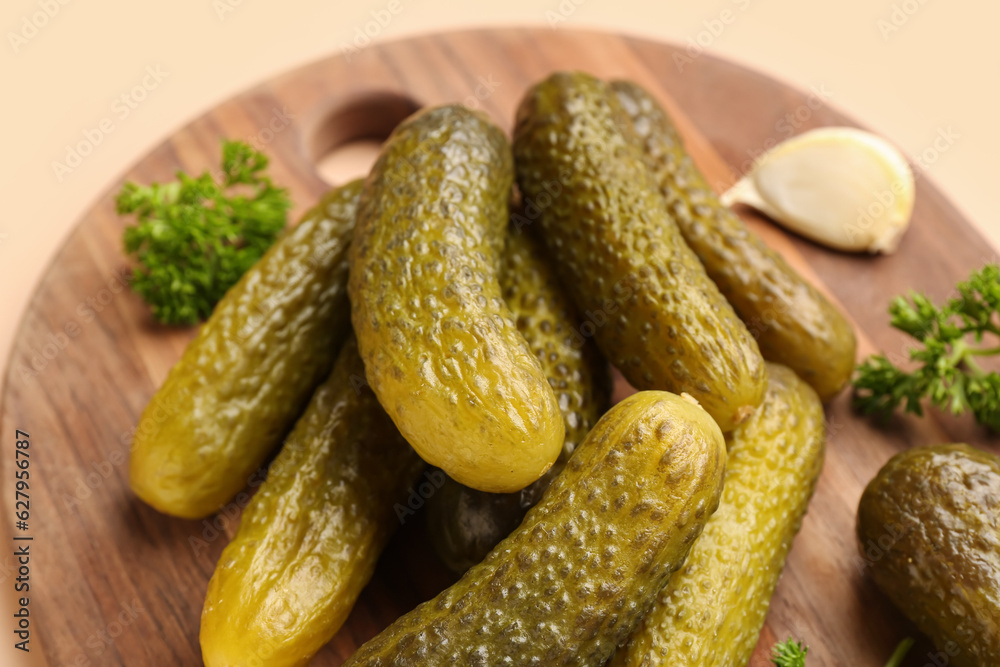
839	186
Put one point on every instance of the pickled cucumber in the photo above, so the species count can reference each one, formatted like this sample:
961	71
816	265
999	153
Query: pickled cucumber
712	609
793	322
587	562
309	539
927	528
247	376
466	524
649	303
442	350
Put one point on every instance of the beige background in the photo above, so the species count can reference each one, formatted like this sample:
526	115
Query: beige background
908	68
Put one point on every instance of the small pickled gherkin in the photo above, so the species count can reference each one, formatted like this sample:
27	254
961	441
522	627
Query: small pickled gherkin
466	524
249	373
309	539
651	307
928	530
587	562
793	322
713	608
442	350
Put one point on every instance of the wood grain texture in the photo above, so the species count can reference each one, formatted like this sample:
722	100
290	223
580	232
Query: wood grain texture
87	357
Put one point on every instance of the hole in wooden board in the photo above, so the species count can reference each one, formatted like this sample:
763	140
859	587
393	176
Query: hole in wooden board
346	143
349	161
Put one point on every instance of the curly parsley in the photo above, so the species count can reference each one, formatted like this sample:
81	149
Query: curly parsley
951	337
789	654
192	239
793	654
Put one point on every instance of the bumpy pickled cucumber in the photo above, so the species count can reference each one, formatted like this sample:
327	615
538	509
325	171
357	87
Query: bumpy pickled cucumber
465	523
309	539
587	562
793	322
927	527
650	305
442	350
245	379
712	609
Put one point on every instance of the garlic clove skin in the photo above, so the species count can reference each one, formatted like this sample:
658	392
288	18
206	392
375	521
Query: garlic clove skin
839	186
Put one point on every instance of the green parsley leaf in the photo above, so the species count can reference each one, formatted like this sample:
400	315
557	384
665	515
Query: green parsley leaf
897	656
789	654
194	238
951	337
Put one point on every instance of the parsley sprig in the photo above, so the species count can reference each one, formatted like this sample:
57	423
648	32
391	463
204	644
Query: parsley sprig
192	239
790	653
951	337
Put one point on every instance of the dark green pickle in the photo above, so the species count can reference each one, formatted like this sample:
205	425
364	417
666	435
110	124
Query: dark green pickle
573	581
465	524
653	310
247	376
928	531
794	324
711	611
441	347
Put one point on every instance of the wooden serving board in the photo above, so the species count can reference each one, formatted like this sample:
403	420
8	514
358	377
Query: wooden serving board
116	583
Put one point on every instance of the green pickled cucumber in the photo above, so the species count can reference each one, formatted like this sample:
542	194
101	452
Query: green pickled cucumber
465	523
442	350
247	376
309	539
588	560
713	608
650	305
928	531
795	325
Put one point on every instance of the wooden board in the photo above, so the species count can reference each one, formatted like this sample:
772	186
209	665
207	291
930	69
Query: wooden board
119	584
